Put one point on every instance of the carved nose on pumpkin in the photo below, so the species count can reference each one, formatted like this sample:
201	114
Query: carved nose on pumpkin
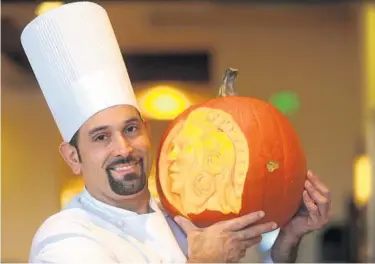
173	152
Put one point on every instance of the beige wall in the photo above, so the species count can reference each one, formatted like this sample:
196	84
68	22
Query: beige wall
30	172
310	51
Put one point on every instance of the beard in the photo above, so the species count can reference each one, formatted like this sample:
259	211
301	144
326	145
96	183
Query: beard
130	183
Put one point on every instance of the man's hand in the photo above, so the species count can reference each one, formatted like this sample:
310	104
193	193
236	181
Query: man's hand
224	241
314	213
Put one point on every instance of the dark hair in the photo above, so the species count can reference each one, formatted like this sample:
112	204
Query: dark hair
74	142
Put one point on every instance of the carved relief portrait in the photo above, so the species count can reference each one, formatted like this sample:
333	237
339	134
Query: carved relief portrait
207	160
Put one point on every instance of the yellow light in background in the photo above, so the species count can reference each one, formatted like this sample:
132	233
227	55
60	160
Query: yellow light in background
362	180
71	189
368	49
369	27
47	6
163	102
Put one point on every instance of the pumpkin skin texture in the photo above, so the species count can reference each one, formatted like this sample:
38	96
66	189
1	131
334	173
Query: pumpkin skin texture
228	157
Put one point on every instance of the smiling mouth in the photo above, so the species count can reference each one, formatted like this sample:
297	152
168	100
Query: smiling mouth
124	168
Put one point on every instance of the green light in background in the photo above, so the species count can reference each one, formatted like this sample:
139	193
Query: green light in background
286	102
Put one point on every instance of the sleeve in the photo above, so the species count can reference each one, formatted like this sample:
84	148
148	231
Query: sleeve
77	249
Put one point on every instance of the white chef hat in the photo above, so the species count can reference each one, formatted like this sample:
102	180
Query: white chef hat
78	64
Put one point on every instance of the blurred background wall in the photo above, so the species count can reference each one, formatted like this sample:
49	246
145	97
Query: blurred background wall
313	51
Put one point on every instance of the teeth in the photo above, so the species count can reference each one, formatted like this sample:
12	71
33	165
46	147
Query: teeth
124	167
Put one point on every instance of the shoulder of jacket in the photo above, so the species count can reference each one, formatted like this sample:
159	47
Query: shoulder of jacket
69	228
69	221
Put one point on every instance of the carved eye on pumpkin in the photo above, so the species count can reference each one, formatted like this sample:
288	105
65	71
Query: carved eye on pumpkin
232	155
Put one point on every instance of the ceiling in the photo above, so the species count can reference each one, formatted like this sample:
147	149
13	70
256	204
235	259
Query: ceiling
135	21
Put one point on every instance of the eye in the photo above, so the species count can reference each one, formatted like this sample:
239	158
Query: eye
131	129
100	137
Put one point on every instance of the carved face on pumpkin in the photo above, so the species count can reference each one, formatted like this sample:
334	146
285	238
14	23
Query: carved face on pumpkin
207	157
230	156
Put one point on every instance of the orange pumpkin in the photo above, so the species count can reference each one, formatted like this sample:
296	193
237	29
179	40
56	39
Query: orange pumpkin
228	157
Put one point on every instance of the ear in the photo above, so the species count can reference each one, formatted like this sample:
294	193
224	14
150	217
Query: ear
70	155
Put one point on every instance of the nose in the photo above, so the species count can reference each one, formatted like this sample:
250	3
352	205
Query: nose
173	152
121	146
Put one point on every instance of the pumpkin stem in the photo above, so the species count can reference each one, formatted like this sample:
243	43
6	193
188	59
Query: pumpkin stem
227	87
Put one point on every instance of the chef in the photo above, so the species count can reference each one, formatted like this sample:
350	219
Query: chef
77	62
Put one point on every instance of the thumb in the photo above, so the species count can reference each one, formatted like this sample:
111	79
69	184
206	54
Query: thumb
186	225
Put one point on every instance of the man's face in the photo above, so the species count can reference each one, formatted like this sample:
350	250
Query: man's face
115	152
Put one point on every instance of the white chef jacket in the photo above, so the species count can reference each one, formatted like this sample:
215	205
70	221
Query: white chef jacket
89	231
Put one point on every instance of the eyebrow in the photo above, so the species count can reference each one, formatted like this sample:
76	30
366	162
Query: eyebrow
101	128
133	119
97	129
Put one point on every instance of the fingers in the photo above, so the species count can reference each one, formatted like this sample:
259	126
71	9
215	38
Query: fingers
314	180
242	221
254	231
311	206
251	242
319	199
185	224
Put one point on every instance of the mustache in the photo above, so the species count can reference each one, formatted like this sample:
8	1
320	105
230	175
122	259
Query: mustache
123	160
